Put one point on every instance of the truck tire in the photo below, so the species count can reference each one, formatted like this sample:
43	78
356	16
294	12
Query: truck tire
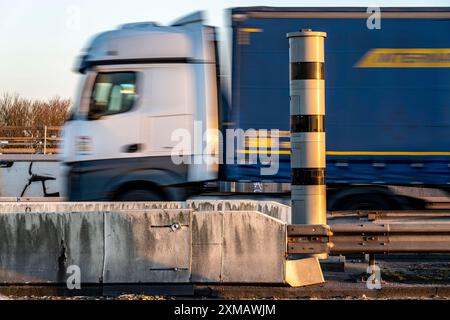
365	202
140	195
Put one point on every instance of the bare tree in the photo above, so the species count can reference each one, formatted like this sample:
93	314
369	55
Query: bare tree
16	111
26	118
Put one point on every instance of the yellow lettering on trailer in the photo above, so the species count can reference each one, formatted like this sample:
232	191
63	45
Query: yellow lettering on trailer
406	58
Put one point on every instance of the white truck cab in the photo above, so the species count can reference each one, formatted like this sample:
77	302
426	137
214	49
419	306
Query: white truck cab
142	84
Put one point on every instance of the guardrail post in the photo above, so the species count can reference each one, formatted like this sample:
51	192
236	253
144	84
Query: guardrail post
307	110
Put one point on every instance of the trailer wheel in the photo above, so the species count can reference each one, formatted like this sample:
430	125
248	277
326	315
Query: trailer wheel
140	195
365	202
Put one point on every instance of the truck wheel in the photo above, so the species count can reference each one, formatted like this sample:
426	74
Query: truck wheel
140	195
366	202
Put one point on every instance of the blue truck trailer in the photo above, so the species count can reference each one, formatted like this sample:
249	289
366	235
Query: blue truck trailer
387	106
387	97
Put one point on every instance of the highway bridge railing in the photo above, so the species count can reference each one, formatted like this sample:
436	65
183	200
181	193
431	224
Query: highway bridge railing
29	140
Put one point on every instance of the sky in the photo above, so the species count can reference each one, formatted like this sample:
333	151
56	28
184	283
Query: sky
41	39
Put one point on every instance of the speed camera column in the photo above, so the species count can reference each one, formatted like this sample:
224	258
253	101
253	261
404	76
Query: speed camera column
307	112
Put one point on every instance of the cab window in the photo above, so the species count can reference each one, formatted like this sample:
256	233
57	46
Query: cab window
113	93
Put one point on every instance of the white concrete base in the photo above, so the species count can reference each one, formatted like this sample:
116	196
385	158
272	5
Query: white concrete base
303	272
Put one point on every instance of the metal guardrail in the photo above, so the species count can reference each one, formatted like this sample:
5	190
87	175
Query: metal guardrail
376	215
29	140
369	238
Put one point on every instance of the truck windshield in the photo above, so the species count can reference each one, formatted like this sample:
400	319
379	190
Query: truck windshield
113	93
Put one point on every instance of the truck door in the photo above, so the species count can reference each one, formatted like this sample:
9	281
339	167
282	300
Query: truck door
112	129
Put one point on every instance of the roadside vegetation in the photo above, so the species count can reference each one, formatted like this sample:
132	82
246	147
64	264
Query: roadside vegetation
31	126
16	111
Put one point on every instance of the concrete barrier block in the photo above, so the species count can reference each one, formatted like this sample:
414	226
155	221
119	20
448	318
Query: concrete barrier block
147	246
275	209
271	208
254	246
207	240
117	245
30	247
237	246
38	248
84	244
37	207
